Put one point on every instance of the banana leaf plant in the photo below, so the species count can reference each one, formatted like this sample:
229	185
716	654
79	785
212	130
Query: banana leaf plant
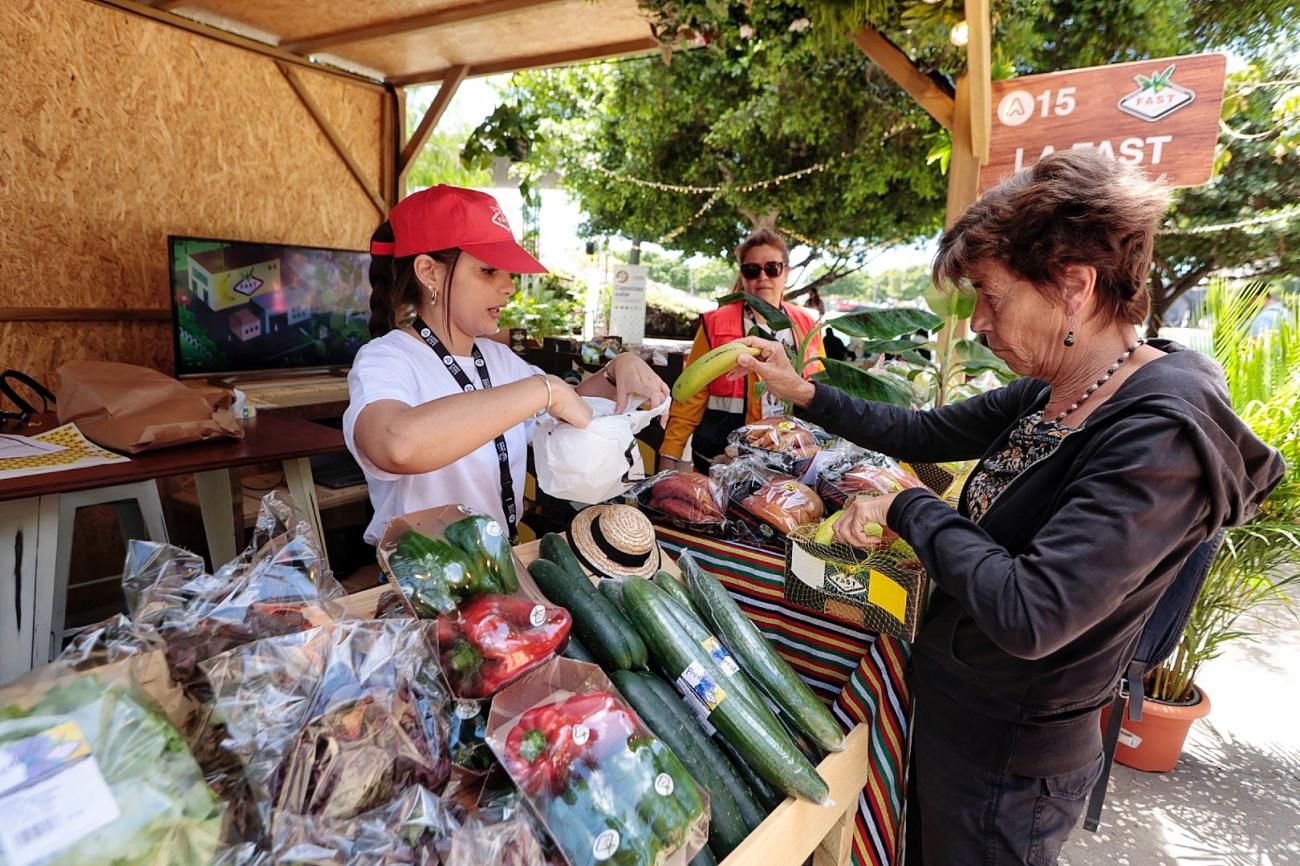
914	379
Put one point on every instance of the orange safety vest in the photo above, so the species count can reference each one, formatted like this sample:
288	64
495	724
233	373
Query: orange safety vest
727	323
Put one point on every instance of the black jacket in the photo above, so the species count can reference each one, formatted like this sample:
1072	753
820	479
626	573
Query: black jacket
1038	607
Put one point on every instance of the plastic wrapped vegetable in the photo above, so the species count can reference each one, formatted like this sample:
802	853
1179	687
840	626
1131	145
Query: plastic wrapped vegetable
407	830
484	838
335	721
92	775
482	538
685	497
467	735
492	640
434	574
607	789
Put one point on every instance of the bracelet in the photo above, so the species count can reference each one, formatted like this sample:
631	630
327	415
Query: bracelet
546	380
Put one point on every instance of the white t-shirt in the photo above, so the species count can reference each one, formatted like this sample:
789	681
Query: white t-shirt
400	366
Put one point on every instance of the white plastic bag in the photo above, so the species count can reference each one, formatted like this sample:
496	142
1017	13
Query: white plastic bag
593	463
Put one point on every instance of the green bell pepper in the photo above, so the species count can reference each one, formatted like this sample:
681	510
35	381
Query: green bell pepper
482	539
433	574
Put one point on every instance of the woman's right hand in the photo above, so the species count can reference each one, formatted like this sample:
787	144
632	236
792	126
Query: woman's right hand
772	365
567	404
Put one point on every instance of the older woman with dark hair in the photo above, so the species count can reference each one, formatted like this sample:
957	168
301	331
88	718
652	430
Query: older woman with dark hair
1100	471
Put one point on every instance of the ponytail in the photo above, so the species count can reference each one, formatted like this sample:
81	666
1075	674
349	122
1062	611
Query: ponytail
395	293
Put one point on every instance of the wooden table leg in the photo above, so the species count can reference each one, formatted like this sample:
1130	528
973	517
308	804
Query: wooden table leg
298	478
19	539
47	549
221	502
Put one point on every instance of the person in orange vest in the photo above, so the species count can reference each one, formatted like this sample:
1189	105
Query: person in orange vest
727	403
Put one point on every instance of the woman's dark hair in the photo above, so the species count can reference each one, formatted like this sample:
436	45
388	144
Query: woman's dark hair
395	292
1076	207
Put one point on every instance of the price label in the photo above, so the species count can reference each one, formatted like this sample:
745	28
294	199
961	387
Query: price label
725	661
537	615
466	709
605	845
581	734
664	785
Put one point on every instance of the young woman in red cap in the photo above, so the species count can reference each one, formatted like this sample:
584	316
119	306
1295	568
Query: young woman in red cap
438	415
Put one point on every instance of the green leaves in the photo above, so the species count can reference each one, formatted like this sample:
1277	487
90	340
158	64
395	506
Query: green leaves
885	324
776	319
951	302
867	384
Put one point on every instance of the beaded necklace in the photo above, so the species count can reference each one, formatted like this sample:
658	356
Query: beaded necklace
1110	371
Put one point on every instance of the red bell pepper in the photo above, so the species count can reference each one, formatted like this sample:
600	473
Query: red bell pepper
549	739
494	639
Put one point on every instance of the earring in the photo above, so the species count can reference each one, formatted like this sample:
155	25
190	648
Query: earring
1069	335
433	296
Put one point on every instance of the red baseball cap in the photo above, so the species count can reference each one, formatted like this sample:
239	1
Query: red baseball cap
443	217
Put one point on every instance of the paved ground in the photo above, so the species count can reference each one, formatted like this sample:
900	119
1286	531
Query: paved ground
1234	799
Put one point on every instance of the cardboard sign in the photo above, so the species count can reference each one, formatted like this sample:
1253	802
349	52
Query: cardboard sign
1160	114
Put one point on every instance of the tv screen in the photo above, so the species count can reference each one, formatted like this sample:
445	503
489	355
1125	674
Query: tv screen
241	307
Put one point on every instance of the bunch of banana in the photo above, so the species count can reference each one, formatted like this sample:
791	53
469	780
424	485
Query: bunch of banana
709	366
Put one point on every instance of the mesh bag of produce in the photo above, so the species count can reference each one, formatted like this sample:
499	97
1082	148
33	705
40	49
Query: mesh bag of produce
607	789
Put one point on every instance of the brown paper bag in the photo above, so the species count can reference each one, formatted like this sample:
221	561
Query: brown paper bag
130	408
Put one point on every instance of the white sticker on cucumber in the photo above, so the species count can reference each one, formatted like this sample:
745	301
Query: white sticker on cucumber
702	685
725	661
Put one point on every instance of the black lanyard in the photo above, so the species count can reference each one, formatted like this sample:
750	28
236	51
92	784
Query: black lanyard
503	454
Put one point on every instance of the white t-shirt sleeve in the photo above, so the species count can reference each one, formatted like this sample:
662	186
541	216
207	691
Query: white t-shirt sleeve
380	372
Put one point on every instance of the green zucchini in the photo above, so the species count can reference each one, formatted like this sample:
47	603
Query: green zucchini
767	749
772	673
557	550
704	858
599	626
677	590
726	824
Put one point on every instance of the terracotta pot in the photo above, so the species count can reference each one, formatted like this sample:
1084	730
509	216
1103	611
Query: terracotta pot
1154	743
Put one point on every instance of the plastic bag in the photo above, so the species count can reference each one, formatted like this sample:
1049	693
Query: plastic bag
499	840
783	444
493	640
467	735
683	498
441	556
593	463
94	774
334	721
278	585
870	474
771	503
407	830
605	786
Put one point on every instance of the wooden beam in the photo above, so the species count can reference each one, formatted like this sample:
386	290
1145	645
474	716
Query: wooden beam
537	61
964	167
409	24
391	124
979	71
236	40
165	5
446	91
898	66
83	314
291	75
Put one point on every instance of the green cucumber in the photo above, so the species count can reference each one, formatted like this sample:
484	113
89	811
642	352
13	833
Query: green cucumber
727	826
740	792
612	590
772	673
604	631
557	550
704	858
767	749
765	796
677	590
573	649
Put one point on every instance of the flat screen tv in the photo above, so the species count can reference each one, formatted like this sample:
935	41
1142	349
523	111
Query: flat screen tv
241	307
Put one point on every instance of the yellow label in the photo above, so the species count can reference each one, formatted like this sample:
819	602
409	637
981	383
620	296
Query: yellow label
785	425
887	594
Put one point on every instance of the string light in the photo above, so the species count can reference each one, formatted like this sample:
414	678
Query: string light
684	226
746	187
1276	216
960	34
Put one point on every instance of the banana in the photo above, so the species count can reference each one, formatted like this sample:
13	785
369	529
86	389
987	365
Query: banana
708	367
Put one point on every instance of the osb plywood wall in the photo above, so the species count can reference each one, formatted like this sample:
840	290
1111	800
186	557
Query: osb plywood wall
116	131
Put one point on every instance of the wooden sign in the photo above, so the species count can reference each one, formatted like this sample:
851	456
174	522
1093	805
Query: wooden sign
1160	114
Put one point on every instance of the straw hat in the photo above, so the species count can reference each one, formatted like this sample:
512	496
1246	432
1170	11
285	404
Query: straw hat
615	541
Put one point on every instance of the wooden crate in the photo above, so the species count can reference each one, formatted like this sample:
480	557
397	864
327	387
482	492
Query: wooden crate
796	829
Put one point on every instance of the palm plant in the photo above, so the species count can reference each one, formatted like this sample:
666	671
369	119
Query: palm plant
1259	559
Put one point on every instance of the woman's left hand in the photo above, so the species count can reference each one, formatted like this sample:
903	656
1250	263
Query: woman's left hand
852	527
634	376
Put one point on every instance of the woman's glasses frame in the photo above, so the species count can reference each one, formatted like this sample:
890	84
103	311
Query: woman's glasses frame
751	270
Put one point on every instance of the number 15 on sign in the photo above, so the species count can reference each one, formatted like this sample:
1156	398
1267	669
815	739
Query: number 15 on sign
1019	106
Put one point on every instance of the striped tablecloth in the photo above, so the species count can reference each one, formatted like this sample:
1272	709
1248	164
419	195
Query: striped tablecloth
859	673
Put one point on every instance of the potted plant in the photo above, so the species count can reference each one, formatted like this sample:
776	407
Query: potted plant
1258	559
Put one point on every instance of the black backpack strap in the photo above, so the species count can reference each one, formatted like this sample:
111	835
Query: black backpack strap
1136	670
1109	739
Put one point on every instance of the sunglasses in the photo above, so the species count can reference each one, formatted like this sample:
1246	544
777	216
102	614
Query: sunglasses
751	270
